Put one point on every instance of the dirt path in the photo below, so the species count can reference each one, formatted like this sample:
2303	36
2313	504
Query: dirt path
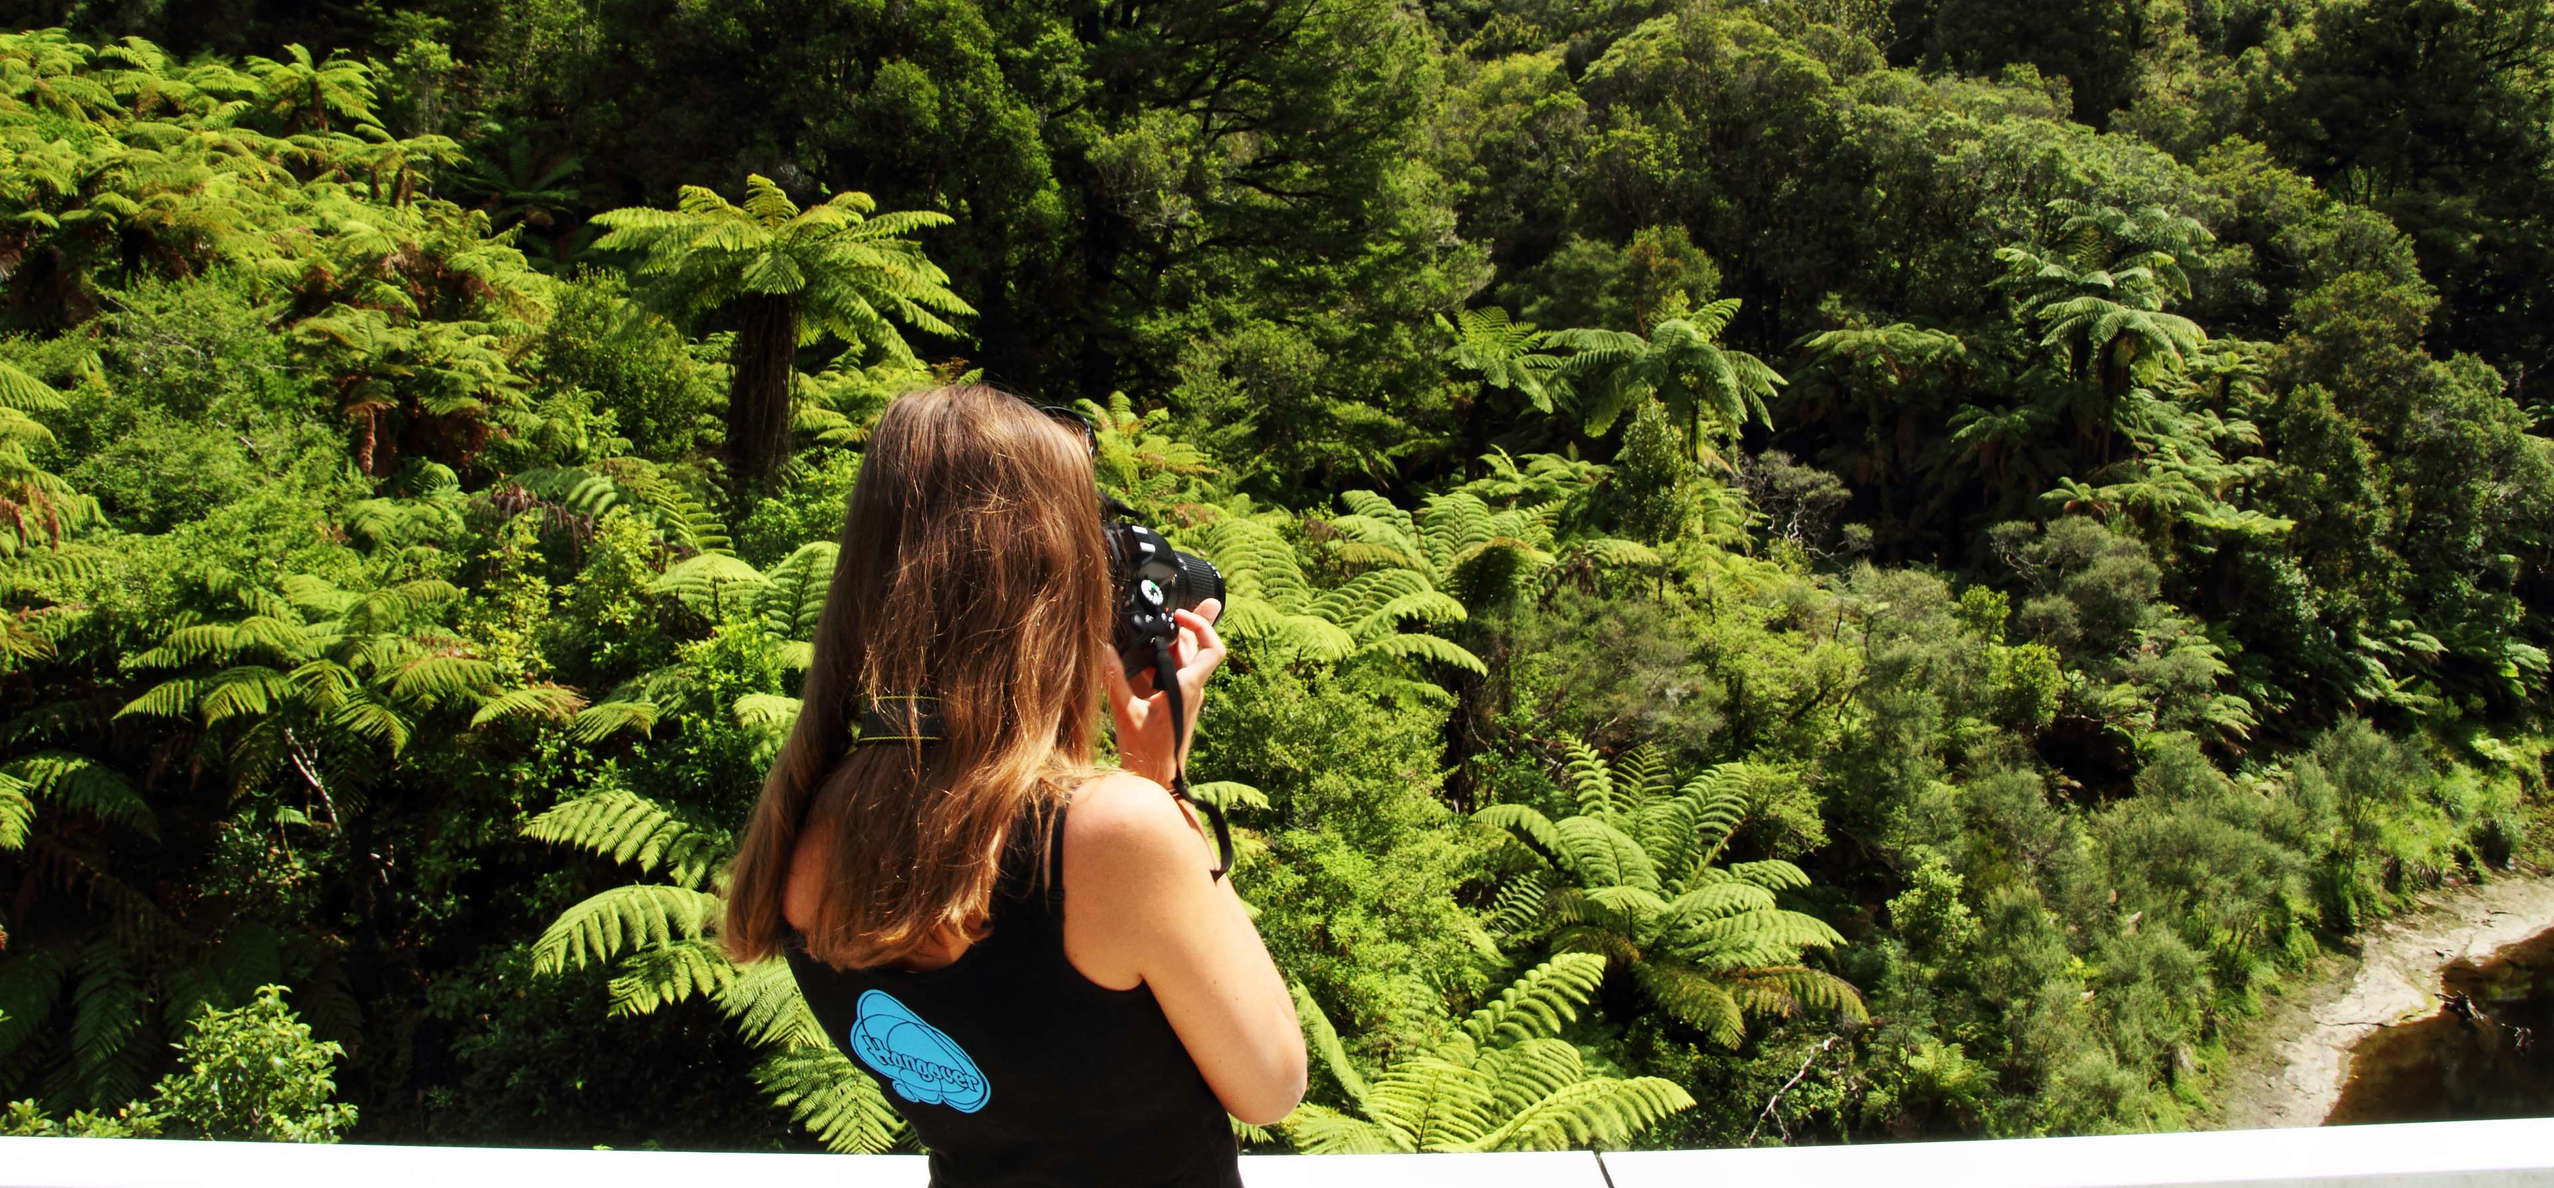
2287	1067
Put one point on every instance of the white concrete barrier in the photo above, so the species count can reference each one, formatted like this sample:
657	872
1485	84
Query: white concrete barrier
2428	1155
174	1163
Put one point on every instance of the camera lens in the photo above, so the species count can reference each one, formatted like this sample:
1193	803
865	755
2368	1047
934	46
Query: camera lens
1198	581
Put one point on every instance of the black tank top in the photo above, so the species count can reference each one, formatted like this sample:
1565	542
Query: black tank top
1017	1070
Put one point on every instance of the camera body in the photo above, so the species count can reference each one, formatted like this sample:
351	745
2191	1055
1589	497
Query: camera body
1149	579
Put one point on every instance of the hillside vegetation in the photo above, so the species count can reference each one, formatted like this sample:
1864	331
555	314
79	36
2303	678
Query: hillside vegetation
1801	570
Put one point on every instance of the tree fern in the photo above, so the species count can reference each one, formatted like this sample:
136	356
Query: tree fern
655	938
1503	1081
676	514
1634	879
339	665
1271	606
795	274
1504	352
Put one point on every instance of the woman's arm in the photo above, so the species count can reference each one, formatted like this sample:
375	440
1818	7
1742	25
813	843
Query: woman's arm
1136	882
1160	914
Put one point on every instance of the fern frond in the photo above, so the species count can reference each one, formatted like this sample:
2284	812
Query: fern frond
1643	773
541	699
1526	1072
1393	523
1426	647
1598	854
107	1008
1518	907
1426	606
663	976
712	584
764	1003
30	981
81	785
1360	597
1539	1002
442	679
1703	1001
623	920
1602	1111
1432	1102
1319	1130
604	719
1323	1040
626	827
17	813
1229	795
1800	986
1591	782
795	596
824	1092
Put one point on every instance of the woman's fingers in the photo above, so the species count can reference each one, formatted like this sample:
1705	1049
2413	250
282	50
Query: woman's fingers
1207	649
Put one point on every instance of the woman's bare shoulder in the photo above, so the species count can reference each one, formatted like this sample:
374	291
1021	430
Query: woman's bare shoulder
1130	827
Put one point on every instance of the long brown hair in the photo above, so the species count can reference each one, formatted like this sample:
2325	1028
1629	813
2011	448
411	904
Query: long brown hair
972	570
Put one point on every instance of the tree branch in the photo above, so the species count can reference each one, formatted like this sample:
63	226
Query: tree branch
1767	1114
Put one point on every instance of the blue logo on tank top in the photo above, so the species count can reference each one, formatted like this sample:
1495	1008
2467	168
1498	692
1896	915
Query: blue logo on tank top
918	1060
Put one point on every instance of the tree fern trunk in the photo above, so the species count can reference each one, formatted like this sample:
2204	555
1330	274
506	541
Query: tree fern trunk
758	405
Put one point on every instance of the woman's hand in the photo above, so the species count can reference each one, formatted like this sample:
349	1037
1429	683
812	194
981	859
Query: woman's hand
1147	740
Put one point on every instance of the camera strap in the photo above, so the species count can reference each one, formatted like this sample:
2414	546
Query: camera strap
1166	678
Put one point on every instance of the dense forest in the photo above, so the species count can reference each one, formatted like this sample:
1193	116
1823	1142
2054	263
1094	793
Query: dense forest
1802	570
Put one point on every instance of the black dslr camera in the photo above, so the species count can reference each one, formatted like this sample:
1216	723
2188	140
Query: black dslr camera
1150	579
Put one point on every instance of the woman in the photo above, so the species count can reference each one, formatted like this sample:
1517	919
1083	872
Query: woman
1028	953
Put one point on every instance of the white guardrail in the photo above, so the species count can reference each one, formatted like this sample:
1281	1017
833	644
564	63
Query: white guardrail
2433	1154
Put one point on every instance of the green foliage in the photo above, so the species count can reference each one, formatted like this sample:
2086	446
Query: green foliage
254	1072
654	937
1635	876
793	275
1711	391
1355	888
1506	353
25	1119
2143	581
1504	1082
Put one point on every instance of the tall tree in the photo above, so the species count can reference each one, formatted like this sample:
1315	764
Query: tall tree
789	276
